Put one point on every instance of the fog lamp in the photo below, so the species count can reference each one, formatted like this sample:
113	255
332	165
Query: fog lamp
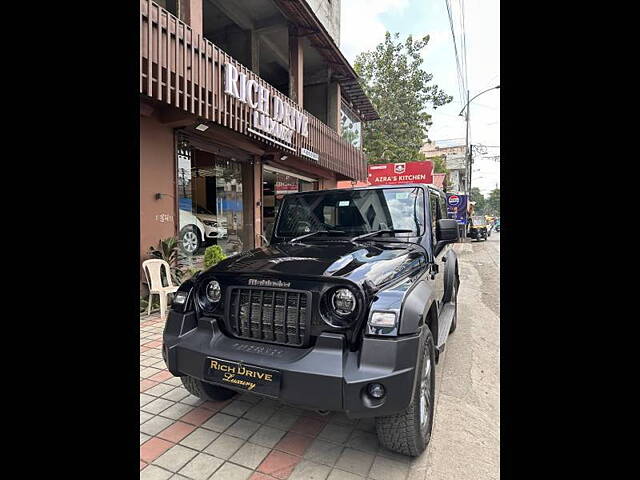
376	390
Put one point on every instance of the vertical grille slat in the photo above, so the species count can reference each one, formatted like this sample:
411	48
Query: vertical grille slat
276	316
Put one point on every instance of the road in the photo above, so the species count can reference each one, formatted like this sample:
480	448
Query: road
466	437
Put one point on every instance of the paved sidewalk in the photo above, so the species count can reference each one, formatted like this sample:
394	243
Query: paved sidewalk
250	438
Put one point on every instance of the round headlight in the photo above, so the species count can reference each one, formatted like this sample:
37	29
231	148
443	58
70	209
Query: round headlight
343	301
213	291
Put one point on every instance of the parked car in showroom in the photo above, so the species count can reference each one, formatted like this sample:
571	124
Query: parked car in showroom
346	310
196	228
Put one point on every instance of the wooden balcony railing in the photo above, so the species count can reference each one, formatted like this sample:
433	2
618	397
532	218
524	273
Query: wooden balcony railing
181	68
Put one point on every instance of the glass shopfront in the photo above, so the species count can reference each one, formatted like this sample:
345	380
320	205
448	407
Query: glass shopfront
276	184
212	203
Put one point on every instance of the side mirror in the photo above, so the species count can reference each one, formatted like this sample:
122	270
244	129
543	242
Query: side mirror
447	230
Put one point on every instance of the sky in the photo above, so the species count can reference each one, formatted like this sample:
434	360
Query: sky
363	25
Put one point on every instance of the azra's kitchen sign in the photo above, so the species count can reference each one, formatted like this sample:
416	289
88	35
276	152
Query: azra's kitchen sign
270	114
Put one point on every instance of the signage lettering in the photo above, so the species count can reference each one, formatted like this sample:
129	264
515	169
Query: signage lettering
270	114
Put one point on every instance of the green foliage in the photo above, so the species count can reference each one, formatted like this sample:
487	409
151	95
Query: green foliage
213	255
400	90
493	203
144	304
168	251
481	202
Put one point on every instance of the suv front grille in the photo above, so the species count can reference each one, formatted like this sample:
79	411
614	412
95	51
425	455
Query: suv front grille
269	315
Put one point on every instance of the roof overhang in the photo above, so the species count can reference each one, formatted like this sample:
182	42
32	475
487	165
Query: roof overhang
302	15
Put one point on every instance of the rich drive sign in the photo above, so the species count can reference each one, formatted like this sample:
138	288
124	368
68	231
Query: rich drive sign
271	117
399	173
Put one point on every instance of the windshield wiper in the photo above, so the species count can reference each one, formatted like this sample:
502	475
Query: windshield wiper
380	232
306	235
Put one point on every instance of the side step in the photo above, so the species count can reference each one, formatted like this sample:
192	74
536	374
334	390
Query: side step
444	324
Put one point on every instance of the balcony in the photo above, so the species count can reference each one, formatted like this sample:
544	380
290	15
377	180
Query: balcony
179	67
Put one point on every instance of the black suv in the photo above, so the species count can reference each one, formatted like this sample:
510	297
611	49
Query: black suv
346	310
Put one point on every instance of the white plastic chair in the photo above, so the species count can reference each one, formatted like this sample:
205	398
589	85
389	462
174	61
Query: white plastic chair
153	271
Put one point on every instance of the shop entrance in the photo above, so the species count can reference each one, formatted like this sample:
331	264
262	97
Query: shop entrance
277	183
212	203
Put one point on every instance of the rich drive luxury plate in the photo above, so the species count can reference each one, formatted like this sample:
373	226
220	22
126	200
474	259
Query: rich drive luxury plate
246	377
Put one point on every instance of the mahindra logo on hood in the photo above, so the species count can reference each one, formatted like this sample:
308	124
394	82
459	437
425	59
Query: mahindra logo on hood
269	283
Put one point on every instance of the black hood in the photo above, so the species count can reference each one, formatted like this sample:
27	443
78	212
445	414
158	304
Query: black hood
376	261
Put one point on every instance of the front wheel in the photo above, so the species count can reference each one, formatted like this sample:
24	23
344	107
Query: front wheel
454	299
409	431
189	240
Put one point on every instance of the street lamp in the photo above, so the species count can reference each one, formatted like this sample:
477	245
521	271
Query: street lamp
468	159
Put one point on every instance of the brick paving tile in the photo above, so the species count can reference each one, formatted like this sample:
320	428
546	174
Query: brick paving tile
294	443
324	452
247	397
341	418
367	425
175	458
242	428
159	390
237	408
158	405
282	420
260	476
153	448
176	394
249	455
307	470
279	464
146	384
365	441
259	413
219	422
153	344
148	361
148	372
161	376
199	439
155	425
144	416
176	411
224	446
355	461
197	416
229	471
144	399
201	466
144	437
337	474
307	426
335	433
267	436
144	349
154	473
385	469
176	432
215	406
142	464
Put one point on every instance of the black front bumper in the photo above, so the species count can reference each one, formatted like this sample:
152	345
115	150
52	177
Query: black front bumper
326	376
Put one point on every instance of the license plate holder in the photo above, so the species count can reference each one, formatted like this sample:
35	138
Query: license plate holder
250	378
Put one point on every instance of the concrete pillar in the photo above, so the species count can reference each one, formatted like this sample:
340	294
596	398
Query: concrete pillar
254	46
296	66
333	106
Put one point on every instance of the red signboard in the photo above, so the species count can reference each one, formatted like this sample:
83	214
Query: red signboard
399	173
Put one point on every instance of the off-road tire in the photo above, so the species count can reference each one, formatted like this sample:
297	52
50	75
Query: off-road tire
206	391
401	432
454	299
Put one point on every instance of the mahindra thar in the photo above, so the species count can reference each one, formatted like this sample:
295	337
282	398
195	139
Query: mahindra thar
347	309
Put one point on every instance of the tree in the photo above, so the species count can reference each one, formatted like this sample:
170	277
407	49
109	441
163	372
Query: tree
481	203
493	203
401	91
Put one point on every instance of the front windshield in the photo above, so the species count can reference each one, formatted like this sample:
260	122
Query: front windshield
354	212
478	221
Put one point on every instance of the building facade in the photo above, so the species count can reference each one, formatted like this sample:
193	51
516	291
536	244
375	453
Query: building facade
241	103
453	152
